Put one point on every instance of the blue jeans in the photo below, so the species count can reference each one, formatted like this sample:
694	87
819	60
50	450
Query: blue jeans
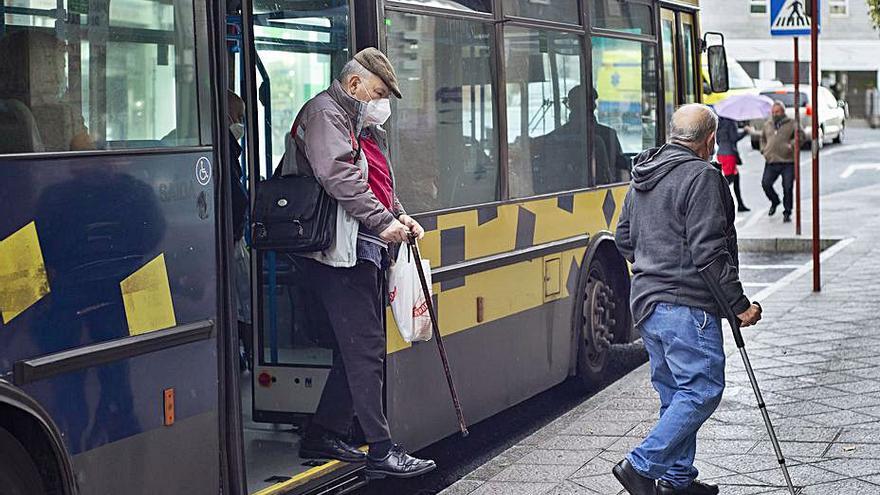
686	351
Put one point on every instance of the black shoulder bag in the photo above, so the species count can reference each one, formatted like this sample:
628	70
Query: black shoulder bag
292	214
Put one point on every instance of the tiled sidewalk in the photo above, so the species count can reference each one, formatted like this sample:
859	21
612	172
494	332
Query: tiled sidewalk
816	357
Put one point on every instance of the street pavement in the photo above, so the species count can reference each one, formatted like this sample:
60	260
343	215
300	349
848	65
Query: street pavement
816	357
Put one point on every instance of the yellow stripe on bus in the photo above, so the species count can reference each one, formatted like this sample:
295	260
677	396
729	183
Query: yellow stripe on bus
304	477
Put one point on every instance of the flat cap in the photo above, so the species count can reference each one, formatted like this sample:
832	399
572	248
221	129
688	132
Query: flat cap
376	62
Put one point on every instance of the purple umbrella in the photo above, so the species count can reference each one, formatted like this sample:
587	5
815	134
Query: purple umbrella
744	107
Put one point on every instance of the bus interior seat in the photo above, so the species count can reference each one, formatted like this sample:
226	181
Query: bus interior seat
18	128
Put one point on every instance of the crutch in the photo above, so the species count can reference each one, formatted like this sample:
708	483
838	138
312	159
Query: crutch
709	274
414	247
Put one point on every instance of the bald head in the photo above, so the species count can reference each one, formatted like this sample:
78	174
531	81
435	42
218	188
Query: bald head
694	126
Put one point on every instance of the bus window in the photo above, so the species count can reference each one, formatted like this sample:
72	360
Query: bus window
462	5
546	112
624	76
689	63
442	129
548	10
670	84
629	17
104	77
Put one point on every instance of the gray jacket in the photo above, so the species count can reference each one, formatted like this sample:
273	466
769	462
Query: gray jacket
777	141
678	218
323	142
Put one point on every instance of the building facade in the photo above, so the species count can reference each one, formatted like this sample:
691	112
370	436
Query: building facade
848	46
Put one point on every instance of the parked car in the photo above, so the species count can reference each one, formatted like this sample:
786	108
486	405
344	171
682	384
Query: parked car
832	114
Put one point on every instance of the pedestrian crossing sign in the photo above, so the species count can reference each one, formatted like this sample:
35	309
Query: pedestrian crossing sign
789	18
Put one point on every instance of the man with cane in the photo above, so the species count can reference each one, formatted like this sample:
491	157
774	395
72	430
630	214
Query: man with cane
338	138
677	219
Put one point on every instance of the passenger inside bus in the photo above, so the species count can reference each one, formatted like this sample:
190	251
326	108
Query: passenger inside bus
557	160
612	165
35	106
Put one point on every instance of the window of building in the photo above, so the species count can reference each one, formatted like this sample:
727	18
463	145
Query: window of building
752	69
443	128
548	10
758	7
629	17
785	72
462	5
839	7
546	112
624	76
104	77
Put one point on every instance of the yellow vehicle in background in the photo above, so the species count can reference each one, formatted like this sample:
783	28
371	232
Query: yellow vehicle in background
740	83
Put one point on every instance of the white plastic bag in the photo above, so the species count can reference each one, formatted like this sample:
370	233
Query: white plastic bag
408	303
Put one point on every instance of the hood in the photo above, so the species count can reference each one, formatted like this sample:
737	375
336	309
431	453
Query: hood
652	165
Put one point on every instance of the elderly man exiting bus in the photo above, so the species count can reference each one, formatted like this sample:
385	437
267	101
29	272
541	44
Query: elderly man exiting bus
677	219
338	138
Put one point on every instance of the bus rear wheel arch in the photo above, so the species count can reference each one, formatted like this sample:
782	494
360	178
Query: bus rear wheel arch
602	315
19	474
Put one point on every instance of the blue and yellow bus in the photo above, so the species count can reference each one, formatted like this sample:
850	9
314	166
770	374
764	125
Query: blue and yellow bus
124	297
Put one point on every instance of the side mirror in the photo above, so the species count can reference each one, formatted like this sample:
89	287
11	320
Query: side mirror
707	88
718	74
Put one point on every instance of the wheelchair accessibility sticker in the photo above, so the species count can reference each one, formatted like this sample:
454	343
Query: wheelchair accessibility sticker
203	171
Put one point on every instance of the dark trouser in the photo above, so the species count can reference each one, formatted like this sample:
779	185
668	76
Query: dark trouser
772	171
353	302
734	179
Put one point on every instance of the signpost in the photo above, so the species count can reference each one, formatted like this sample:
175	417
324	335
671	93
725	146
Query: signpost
796	18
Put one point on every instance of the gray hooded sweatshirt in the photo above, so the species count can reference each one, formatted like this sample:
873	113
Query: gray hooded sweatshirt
678	217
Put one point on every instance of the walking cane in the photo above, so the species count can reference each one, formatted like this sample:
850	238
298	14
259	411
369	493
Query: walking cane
430	302
718	294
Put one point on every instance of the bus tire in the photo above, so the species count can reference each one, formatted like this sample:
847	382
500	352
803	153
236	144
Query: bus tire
19	474
597	323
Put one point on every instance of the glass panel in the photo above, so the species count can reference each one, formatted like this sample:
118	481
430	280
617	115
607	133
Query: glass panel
689	62
548	10
546	112
624	75
442	129
667	25
758	6
120	76
465	5
630	17
299	54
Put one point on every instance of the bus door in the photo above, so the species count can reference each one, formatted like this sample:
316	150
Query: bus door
297	48
681	82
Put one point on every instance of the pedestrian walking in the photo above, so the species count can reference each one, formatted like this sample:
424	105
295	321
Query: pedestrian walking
338	138
778	148
728	156
677	219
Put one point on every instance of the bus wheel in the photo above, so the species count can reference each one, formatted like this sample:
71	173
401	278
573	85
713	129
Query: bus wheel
18	473
597	326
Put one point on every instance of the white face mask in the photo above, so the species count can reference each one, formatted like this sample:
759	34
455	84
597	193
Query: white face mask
377	112
237	130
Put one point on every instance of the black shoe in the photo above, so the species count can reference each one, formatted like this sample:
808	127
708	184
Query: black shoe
632	481
786	218
773	209
695	488
326	445
398	464
743	209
